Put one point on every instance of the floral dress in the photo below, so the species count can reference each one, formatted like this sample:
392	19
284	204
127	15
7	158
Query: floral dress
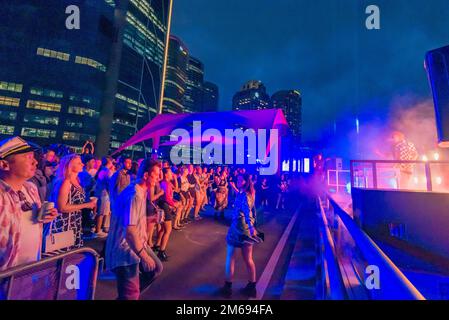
242	220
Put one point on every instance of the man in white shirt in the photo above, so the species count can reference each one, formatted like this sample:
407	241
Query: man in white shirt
126	246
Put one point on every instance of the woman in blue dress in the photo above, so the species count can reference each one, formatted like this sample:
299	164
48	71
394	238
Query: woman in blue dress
240	231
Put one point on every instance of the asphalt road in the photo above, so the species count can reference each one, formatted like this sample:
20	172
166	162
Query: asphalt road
195	269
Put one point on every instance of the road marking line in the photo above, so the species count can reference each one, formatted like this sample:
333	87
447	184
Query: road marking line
264	280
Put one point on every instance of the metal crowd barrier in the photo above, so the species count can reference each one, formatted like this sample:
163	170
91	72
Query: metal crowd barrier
68	276
346	252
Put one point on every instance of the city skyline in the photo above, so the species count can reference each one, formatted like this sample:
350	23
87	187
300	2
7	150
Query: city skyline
323	48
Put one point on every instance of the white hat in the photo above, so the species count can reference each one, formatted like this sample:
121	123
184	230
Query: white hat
15	145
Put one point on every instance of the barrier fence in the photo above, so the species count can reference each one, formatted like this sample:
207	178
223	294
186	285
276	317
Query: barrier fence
69	276
352	265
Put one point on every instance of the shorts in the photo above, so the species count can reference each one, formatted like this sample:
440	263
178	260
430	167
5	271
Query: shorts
104	206
192	192
169	213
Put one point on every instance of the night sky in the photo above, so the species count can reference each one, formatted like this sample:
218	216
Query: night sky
320	47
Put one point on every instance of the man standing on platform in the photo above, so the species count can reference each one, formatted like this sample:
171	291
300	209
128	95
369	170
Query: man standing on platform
403	150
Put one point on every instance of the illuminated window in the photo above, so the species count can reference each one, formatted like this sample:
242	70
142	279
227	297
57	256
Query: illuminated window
73	124
46	92
7	115
81	99
41	119
83	111
90	62
38	133
8	101
115	144
6	130
41	105
53	54
286	165
66	135
132	101
70	136
9	86
306	165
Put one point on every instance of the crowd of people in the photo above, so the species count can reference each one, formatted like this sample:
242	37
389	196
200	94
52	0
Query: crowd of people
135	205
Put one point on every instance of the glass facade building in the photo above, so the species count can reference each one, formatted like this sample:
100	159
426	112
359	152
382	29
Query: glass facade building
193	97
252	96
176	76
210	97
290	101
51	77
141	69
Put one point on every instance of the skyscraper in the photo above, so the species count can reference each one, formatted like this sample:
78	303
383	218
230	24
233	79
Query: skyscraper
252	96
52	78
193	96
210	97
176	76
290	101
141	68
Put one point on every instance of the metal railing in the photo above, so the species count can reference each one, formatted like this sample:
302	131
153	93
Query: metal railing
419	175
332	286
48	278
347	251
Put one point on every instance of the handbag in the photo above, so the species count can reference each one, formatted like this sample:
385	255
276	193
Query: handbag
158	213
60	240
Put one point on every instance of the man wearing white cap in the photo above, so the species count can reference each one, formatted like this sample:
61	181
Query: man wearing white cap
20	229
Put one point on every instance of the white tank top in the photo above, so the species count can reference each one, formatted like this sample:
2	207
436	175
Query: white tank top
30	237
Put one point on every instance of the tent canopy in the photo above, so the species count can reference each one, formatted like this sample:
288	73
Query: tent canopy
164	124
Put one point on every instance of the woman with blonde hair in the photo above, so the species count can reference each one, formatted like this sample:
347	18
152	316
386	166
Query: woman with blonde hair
70	198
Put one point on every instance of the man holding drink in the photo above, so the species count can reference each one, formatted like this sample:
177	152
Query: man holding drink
21	212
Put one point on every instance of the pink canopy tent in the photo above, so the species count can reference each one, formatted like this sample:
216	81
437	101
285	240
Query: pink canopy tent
164	124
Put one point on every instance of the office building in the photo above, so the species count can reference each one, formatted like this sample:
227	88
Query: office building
176	76
52	78
290	101
193	96
252	96
210	97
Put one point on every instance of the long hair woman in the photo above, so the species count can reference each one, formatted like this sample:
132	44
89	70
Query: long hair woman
241	229
221	195
70	198
185	195
154	194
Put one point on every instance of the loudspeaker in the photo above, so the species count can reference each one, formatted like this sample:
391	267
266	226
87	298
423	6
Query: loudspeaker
437	67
